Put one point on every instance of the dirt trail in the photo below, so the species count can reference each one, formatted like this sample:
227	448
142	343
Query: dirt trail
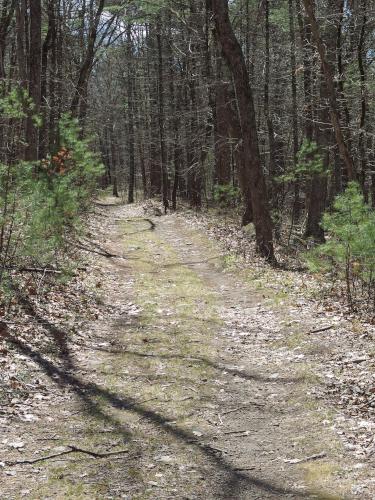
182	394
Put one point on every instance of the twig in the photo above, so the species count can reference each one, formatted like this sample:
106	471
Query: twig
147	401
306	459
52	438
72	449
38	270
34	270
355	360
102	252
323	329
235	409
239	469
36	460
236	432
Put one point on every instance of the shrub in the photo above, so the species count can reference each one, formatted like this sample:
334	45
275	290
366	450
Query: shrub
41	203
350	247
61	192
309	164
226	195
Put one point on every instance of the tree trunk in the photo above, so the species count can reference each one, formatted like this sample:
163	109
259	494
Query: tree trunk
48	43
78	105
292	40
361	55
234	57
130	110
32	139
331	91
221	125
164	172
6	15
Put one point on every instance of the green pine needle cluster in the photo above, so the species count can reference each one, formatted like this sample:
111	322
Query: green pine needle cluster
350	247
41	203
309	164
226	195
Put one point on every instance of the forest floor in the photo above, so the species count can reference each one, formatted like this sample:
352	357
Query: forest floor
193	380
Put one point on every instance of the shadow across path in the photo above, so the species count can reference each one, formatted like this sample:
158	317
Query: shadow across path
88	391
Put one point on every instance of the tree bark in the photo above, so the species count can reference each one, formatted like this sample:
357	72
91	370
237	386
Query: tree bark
221	126
235	60
130	112
35	56
163	166
331	91
49	42
78	105
6	14
361	56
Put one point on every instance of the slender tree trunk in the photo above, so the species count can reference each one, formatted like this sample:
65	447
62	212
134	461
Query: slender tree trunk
233	55
164	172
292	41
114	163
339	7
21	42
154	139
47	46
6	14
32	135
318	188
53	111
274	164
331	91
363	117
78	105
243	173
221	126
130	113
324	136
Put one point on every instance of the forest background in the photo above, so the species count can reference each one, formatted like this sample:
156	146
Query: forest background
263	109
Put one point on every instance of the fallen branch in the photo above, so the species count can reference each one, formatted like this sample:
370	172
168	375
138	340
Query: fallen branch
44	270
72	449
306	459
102	252
97	455
323	329
240	433
37	270
355	360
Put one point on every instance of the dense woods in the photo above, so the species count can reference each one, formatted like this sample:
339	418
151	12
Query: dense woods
263	107
187	249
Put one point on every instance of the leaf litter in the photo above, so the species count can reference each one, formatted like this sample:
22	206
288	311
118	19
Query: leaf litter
343	353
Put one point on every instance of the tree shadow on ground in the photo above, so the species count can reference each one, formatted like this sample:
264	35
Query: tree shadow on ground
87	392
59	336
207	362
